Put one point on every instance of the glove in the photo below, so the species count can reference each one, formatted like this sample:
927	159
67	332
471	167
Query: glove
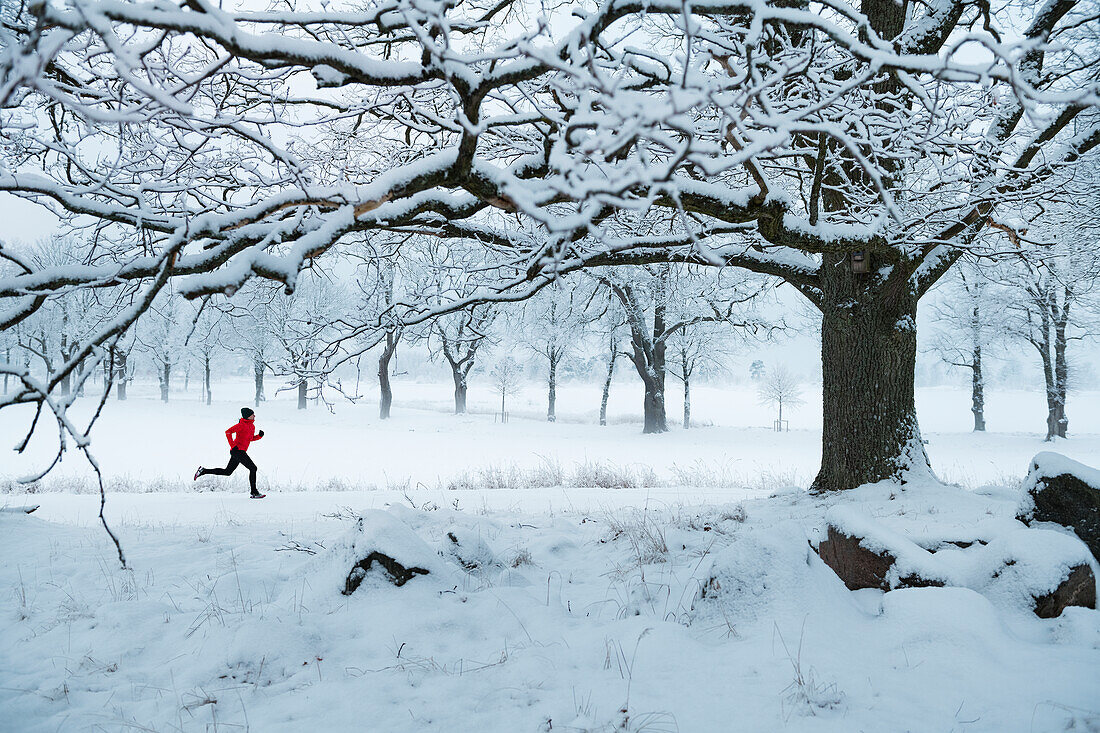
260	434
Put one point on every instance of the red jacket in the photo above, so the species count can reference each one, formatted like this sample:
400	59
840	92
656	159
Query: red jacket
241	434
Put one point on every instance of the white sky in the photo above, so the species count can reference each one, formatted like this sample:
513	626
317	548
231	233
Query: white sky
24	221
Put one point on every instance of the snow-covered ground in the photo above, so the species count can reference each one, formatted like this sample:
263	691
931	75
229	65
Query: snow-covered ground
687	600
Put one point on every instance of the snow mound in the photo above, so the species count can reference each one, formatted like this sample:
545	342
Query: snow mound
376	531
467	547
759	571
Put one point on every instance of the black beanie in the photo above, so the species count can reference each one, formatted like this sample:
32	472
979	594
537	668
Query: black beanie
246	413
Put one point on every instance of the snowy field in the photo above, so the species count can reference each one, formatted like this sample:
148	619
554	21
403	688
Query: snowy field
146	445
683	599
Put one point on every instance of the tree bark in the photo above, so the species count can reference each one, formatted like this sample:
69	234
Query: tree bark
385	400
65	385
109	370
460	393
653	403
1061	370
607	380
120	375
1051	345
552	399
165	375
977	390
7	360
977	378
687	400
206	378
258	377
868	363
80	381
302	387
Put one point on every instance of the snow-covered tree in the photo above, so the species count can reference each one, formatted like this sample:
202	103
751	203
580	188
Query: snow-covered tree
505	374
378	280
251	319
301	325
969	321
389	345
660	301
161	337
856	151
54	333
206	340
780	387
458	337
696	348
1054	303
118	364
552	325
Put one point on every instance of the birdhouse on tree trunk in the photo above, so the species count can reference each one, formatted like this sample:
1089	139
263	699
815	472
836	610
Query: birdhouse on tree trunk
860	262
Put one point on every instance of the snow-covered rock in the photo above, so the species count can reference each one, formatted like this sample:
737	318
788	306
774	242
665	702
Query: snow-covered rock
1063	491
1043	570
378	543
853	538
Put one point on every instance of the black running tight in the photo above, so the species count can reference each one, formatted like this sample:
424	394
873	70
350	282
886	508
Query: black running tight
236	458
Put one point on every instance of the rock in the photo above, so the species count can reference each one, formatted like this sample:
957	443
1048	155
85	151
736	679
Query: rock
1042	570
857	566
1065	492
871	560
398	572
1078	589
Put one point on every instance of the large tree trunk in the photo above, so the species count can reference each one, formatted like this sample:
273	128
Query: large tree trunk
552	399
868	361
165	376
258	377
460	392
607	381
302	387
653	403
386	398
206	378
